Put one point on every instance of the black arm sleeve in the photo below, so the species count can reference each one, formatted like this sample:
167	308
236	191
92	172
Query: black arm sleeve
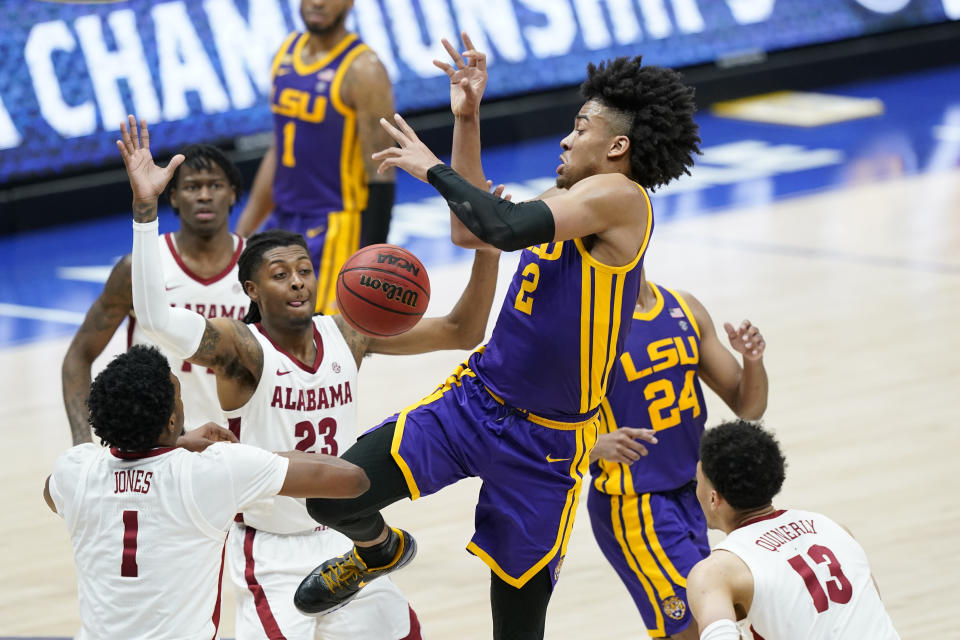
501	223
375	219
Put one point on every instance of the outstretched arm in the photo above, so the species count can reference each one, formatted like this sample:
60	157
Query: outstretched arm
467	82
606	202
466	324
316	475
105	315
462	328
743	389
222	344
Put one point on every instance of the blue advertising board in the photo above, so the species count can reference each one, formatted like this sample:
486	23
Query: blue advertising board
198	70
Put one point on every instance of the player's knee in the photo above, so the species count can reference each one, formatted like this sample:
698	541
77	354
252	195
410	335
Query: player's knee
326	511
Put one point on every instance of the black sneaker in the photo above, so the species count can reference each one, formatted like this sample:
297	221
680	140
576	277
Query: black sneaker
338	580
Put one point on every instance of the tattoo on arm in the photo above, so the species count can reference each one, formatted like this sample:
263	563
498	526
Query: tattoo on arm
358	342
76	403
206	354
249	364
101	322
144	211
244	361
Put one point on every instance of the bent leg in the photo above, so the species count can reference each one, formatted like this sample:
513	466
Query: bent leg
359	518
413	456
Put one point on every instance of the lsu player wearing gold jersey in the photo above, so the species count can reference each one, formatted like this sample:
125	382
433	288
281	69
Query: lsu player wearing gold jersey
643	509
329	91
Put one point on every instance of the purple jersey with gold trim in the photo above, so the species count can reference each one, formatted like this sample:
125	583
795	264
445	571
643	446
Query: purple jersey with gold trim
560	329
319	161
656	386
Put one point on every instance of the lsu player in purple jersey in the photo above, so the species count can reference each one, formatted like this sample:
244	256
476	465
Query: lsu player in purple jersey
329	91
201	274
643	506
522	412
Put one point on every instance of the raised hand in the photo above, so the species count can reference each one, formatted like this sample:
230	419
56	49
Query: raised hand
467	78
147	179
412	155
746	340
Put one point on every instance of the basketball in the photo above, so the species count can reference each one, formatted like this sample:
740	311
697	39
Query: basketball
382	290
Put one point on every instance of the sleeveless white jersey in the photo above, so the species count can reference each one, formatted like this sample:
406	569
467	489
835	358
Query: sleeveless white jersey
148	532
811	580
221	296
296	406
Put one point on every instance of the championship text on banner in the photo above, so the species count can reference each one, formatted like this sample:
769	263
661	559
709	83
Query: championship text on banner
200	70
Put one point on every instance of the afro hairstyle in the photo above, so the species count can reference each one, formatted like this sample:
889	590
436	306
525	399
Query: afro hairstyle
658	109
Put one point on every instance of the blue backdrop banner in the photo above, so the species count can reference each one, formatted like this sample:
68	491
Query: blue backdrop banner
198	70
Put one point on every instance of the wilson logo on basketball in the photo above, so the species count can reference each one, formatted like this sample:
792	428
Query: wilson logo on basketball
382	290
399	261
391	291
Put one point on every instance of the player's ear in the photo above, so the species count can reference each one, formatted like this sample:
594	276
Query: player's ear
172	427
172	196
619	147
251	289
233	196
715	500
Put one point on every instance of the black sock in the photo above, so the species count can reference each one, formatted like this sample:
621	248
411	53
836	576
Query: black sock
381	554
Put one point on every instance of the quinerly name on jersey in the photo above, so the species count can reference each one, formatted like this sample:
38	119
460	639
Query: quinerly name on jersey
774	538
215	310
311	399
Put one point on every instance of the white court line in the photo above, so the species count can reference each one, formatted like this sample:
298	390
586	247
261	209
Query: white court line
40	313
98	274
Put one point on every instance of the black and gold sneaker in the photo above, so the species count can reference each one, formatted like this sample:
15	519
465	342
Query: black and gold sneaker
338	580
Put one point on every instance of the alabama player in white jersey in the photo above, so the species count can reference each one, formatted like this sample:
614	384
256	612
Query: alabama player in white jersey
308	407
219	296
148	517
286	379
796	574
199	263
